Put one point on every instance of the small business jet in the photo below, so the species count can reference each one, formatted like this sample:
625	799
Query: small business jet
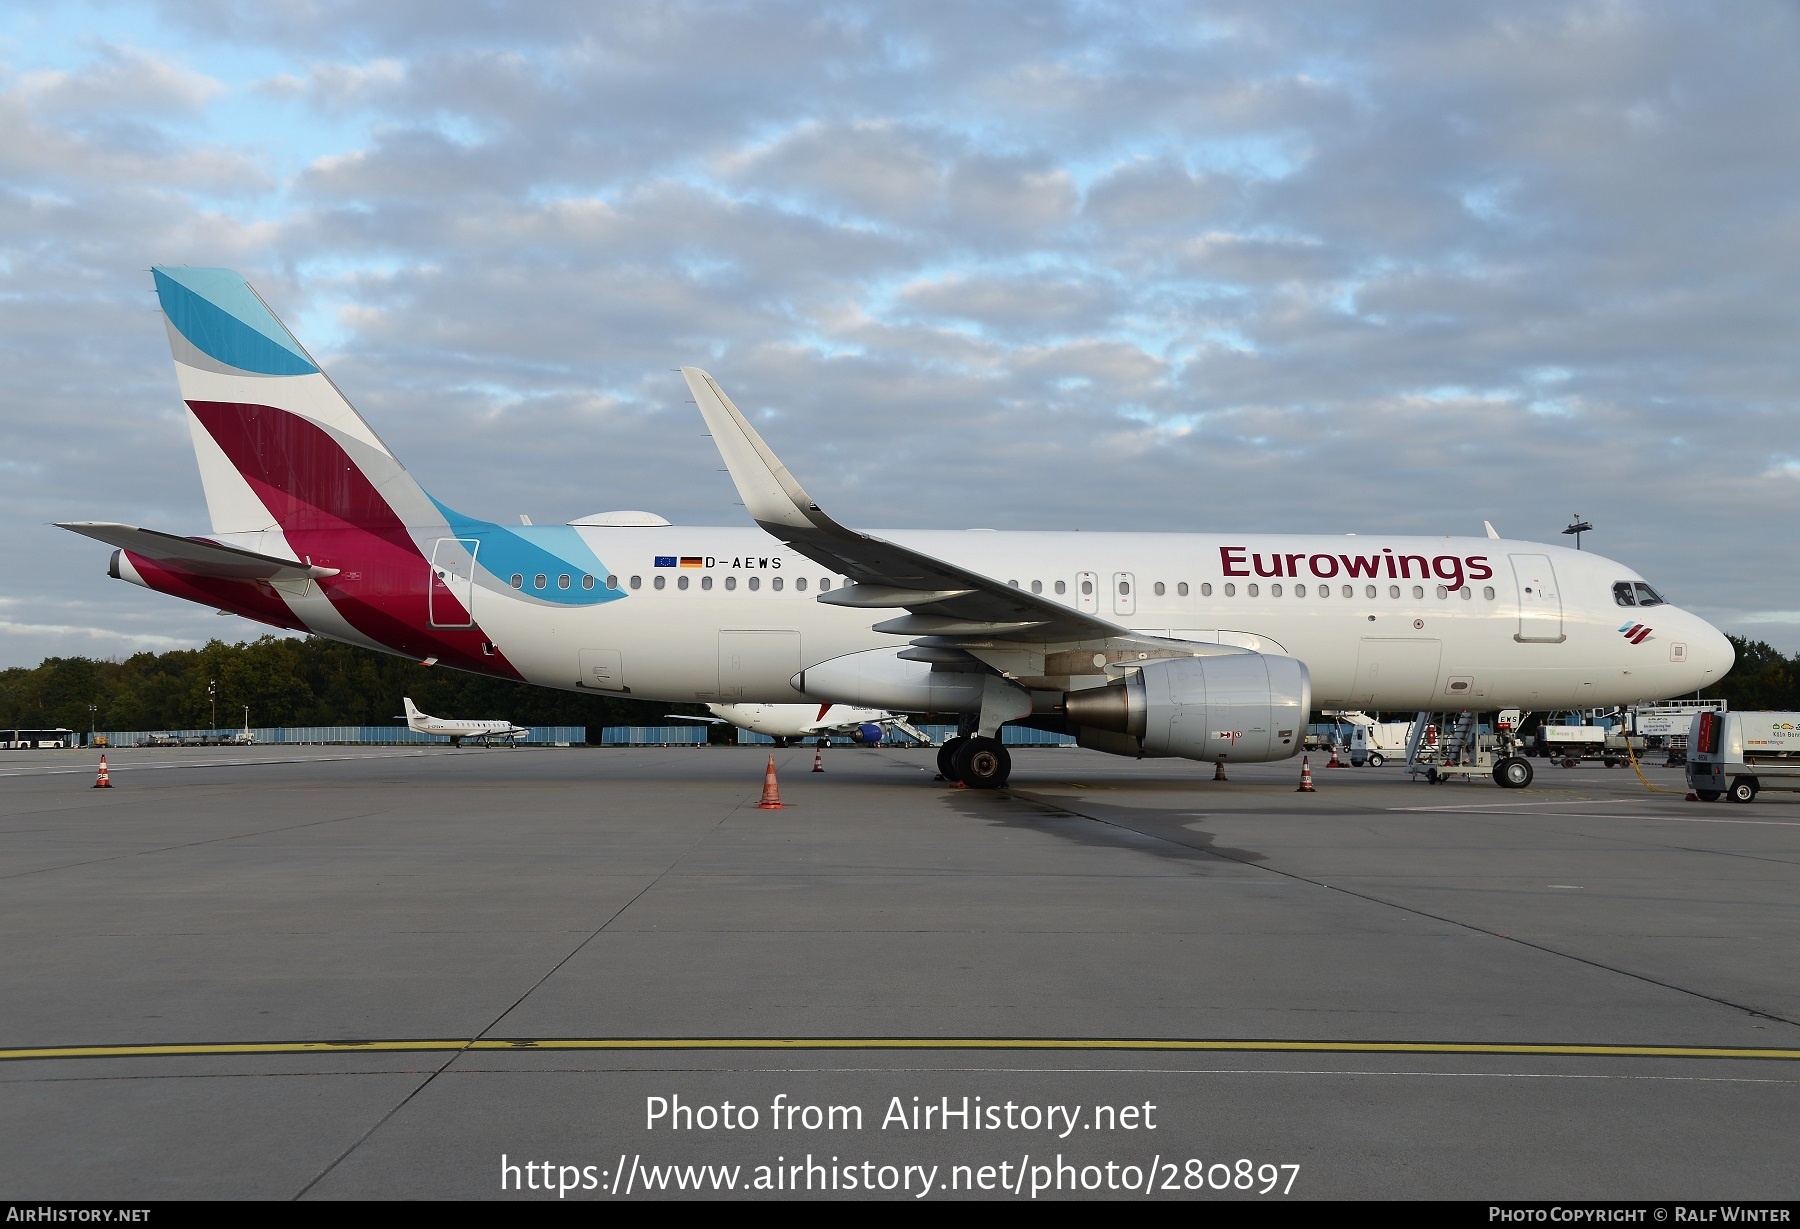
483	732
791	723
1207	647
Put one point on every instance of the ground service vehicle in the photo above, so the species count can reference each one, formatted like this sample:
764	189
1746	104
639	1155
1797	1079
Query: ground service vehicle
1738	755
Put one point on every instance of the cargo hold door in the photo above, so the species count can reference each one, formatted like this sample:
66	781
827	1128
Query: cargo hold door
1397	672
757	664
1540	601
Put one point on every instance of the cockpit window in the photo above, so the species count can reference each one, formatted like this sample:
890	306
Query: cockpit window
1646	596
1623	595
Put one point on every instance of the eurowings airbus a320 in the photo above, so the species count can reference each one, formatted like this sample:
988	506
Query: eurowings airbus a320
1202	646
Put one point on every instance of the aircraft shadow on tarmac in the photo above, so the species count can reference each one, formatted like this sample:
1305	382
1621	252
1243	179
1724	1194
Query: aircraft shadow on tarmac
1167	837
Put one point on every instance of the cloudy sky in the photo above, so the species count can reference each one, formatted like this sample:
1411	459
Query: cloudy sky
1382	267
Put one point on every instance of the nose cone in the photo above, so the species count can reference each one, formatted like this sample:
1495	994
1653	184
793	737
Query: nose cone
1709	653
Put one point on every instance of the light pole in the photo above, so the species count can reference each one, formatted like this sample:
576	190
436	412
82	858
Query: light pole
1578	527
92	710
212	695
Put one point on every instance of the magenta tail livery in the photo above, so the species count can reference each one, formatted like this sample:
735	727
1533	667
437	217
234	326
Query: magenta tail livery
1202	646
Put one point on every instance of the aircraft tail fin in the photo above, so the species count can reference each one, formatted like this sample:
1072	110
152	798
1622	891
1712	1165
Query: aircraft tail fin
279	446
412	710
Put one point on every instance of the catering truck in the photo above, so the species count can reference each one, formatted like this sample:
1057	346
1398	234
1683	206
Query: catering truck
1738	755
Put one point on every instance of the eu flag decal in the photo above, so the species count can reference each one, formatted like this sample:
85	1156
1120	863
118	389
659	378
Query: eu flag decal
665	561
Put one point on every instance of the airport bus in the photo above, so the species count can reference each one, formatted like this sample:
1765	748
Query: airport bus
26	740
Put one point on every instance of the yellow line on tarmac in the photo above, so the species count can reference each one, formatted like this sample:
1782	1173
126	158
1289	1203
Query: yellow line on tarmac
1168	1045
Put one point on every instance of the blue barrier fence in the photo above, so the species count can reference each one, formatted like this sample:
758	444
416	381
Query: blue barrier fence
554	735
652	735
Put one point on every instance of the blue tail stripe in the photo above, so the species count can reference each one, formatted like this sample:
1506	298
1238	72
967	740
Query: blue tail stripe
216	310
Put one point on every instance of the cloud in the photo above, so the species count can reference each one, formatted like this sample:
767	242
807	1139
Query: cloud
1234	267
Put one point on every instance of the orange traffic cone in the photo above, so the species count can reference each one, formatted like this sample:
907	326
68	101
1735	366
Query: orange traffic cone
1692	797
819	757
102	780
1218	770
1333	762
771	799
1306	785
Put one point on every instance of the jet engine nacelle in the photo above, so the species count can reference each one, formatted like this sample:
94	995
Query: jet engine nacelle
866	733
1242	707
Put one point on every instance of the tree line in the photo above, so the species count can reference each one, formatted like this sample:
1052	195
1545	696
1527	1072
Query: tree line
286	682
289	682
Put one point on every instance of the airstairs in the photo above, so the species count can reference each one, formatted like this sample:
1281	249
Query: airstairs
1443	745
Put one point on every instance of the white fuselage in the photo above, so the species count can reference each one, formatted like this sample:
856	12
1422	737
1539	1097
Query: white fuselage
1530	625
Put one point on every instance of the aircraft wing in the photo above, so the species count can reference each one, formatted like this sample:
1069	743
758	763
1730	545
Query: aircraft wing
688	717
196	555
941	598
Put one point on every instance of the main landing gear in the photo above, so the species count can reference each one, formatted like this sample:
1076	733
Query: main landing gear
977	762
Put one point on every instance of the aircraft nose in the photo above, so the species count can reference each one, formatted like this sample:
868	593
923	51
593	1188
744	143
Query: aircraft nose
1710	653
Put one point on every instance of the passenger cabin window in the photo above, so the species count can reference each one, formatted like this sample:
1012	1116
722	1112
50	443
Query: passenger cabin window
1647	596
660	581
562	582
1037	586
706	582
1252	591
1623	595
776	584
681	582
1230	590
1061	587
824	584
637	582
1487	591
587	582
1161	588
799	584
1205	590
1181	589
731	582
755	583
537	582
612	582
518	581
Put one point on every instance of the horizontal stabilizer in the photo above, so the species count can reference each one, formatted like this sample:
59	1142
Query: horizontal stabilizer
196	555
